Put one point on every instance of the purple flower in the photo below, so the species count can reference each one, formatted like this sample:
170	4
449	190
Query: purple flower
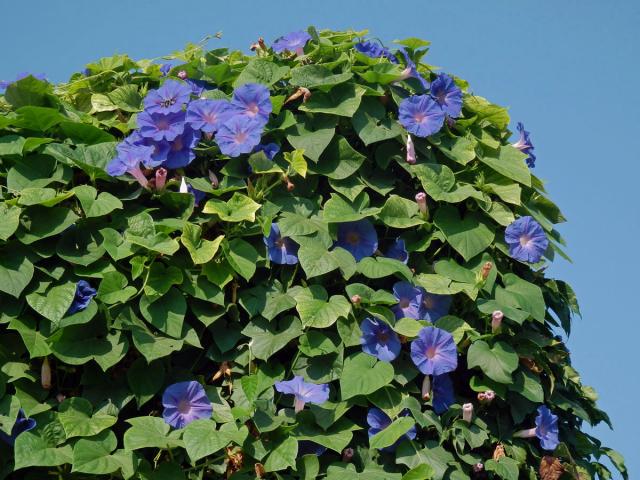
22	424
159	126
269	149
207	115
434	351
307	447
185	402
165	68
447	94
435	306
197	194
169	98
358	238
526	239
375	50
525	146
197	86
398	251
181	152
281	250
303	392
410	300
547	428
160	149
378	421
84	293
39	76
239	135
412	69
294	42
421	115
379	340
252	100
442	396
128	161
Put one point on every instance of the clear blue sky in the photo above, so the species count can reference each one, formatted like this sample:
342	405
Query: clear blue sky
569	69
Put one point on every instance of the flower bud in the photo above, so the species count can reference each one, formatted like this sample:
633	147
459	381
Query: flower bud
347	455
60	398
356	299
486	269
182	75
411	151
45	374
467	412
421	200
215	183
486	397
161	178
496	320
498	453
478	467
183	186
259	469
426	388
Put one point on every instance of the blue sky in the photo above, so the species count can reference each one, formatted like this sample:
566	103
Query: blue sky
568	69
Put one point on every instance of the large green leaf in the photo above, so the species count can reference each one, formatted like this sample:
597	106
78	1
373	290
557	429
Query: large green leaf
238	208
339	160
342	100
201	439
78	419
320	312
16	271
53	302
468	236
268	338
200	249
166	313
37	223
30	450
372	124
94	204
497	362
241	256
261	71
310	76
363	374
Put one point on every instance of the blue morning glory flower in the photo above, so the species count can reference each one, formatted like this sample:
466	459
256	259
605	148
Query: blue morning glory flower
181	152
185	402
128	161
198	195
526	239
294	42
358	238
303	392
22	424
379	340
84	293
159	126
40	76
207	115
421	115
269	149
281	250
447	94
434	352
546	429
375	50
307	447
169	98
197	86
378	421
165	68
241	134
410	300
442	394
525	145
252	100
398	251
160	149
435	306
412	69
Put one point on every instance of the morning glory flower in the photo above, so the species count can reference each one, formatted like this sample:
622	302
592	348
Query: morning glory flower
294	42
159	126
421	115
379	340
128	161
252	100
185	402
198	195
375	50
307	447
22	424
411	70
269	149
526	239
84	293
434	352
378	421
398	251
443	395
207	115
169	98
197	86
165	68
181	152
281	250
160	149
239	135
546	429
434	306
303	392
410	300
358	238
525	146
447	94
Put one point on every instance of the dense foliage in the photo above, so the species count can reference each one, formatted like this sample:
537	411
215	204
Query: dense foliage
321	260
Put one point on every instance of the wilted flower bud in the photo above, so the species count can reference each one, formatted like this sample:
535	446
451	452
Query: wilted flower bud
60	398
496	320
411	151
478	467
182	75
486	269
215	183
426	388
161	178
45	374
421	200
347	455
259	468
486	397
303	92
498	453
467	412
356	299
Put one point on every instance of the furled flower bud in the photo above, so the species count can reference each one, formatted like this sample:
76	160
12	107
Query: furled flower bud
411	151
486	269
356	299
215	183
161	178
421	200
347	455
467	412
184	188
182	75
426	388
45	374
496	320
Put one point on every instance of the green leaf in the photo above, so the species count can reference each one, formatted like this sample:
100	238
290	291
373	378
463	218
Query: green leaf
201	439
126	98
16	271
31	450
510	162
10	220
497	363
529	386
363	374
342	100
201	250
312	135
41	222
261	71
339	210
297	161
113	288
440	183
282	456
145	379
389	435
167	313
42	196
316	260
338	161
506	468
149	432
382	73
421	472
95	205
238	208
523	295
33	340
319	313
372	124
160	279
78	420
38	119
459	149
93	456
489	112
380	267
399	212
268	338
241	256
310	76
54	302
469	236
